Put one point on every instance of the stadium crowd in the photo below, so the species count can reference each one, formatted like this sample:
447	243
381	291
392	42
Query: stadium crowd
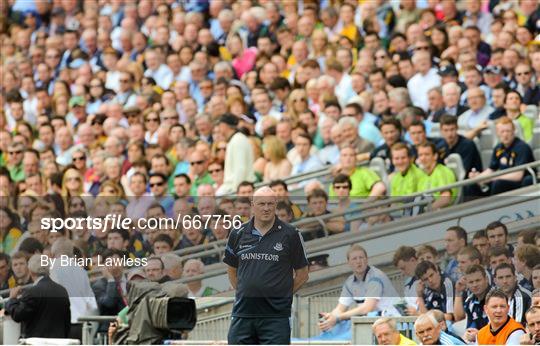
154	109
479	291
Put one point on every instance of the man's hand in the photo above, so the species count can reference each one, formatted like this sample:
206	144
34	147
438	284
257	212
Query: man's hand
106	273
420	289
460	285
328	323
14	292
470	335
411	311
527	338
473	173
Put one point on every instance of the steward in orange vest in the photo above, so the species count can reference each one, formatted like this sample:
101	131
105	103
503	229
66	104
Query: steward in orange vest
501	329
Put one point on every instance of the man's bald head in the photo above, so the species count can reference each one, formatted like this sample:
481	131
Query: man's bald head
264	205
264	191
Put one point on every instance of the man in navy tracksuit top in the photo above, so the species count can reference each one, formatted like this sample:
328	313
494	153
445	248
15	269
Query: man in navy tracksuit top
266	264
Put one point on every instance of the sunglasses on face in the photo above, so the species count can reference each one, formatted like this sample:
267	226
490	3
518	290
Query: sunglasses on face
73	179
526	73
156	184
80	158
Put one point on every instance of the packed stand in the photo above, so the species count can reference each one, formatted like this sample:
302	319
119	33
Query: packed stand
155	109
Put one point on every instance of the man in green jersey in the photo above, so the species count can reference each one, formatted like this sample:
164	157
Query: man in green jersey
437	175
512	105
408	178
365	182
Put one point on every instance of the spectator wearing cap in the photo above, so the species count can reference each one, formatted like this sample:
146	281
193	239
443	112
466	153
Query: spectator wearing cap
239	155
510	152
426	77
77	114
474	121
492	76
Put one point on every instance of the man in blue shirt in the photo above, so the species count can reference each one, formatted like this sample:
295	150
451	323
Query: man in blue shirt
435	290
510	152
266	264
470	299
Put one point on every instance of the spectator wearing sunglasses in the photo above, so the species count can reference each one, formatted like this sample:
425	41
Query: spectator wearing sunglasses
198	171
14	162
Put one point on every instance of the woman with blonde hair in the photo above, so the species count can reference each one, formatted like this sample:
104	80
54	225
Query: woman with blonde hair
72	183
297	103
319	42
277	166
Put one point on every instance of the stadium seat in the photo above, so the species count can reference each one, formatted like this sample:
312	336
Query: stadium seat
378	165
535	143
531	111
536	153
487	139
486	157
455	163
